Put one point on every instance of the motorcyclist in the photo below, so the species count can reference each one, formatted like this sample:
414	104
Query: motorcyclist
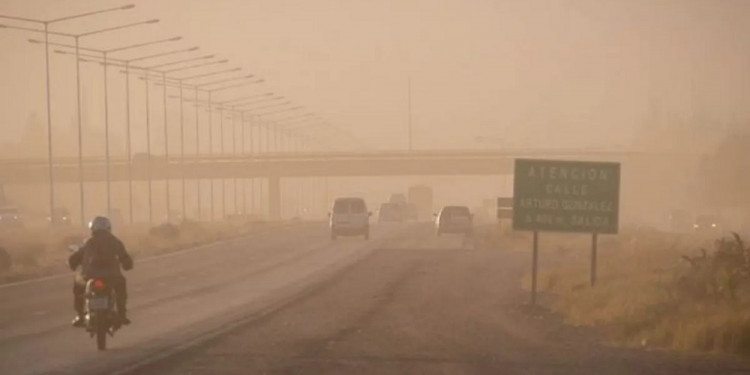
100	257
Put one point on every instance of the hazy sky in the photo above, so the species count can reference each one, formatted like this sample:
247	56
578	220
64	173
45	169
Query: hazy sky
546	73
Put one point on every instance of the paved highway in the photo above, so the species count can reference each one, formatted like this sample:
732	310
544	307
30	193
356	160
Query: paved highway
174	299
291	301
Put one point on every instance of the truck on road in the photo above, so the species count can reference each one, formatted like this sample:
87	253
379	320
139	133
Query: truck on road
420	196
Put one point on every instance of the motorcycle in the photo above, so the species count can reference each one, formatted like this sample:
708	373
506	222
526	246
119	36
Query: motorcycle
101	318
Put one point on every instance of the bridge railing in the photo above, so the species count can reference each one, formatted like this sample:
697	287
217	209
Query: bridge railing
140	159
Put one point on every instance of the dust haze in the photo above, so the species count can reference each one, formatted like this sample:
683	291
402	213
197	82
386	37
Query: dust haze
374	186
661	87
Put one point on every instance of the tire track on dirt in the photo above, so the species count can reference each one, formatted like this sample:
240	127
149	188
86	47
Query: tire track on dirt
327	279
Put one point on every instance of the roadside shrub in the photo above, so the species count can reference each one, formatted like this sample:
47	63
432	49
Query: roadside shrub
29	254
195	228
166	231
718	276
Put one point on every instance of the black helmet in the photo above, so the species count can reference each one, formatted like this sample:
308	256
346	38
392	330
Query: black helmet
100	223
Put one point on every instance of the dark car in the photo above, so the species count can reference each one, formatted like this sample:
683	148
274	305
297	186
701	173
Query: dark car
390	212
454	219
706	223
60	216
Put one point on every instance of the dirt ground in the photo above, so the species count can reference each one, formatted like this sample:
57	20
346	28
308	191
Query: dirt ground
425	306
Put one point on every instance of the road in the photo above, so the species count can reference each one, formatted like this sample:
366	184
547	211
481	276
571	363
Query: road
291	301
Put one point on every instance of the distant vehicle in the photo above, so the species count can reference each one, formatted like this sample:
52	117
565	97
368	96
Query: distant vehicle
481	214
397	198
421	197
349	217
412	212
454	219
10	217
705	223
390	212
60	216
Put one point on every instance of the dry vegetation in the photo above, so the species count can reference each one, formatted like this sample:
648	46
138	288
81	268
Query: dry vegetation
654	289
32	253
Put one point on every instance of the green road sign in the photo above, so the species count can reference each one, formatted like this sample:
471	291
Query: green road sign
566	196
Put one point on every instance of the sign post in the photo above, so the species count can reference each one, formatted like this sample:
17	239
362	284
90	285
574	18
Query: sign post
566	196
593	258
534	263
504	212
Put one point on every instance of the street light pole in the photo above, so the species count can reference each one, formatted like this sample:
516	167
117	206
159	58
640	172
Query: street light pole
148	154
234	151
105	55
409	109
211	152
48	94
106	63
80	136
166	147
252	154
244	156
211	103
221	150
127	65
182	153
197	154
180	86
106	138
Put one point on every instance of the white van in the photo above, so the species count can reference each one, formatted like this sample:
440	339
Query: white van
349	217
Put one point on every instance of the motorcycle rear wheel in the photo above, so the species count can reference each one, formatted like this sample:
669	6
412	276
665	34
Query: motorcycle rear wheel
101	333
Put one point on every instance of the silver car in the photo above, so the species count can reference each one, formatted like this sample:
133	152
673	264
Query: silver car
454	219
349	217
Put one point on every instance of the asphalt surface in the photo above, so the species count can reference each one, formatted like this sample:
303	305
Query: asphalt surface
295	302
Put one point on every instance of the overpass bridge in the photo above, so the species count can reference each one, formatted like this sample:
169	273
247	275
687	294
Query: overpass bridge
277	166
280	165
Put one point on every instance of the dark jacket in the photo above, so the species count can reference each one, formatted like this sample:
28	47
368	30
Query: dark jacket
101	256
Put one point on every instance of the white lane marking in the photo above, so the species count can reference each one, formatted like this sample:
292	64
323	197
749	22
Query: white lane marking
146	259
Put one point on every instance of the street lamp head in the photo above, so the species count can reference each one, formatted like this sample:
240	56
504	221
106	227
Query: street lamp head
35	41
175	39
249	76
259	81
61	52
209	56
126	7
222	61
156	20
192	49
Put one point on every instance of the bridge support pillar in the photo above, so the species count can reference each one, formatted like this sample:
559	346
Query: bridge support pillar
274	198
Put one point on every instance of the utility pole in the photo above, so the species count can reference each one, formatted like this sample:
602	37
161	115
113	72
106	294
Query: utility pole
409	111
